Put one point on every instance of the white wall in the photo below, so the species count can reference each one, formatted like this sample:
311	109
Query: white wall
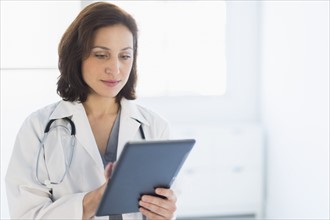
295	107
240	102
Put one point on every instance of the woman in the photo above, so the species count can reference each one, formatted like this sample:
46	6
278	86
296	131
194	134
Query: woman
97	63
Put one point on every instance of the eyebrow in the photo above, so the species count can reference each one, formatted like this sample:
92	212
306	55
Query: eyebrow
105	48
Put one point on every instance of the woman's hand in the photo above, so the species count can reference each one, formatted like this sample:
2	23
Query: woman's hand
157	208
93	198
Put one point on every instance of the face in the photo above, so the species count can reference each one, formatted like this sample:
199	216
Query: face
109	64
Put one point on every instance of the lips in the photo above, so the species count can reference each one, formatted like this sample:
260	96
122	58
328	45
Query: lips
110	83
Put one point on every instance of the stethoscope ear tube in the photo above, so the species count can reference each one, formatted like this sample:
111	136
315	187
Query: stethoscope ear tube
143	136
142	132
48	183
73	127
37	162
48	126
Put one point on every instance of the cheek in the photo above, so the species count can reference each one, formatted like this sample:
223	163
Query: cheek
87	68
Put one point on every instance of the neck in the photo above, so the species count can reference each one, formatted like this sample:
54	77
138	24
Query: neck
98	107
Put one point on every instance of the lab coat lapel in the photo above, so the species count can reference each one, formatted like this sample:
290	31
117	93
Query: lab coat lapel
85	137
130	121
84	134
127	131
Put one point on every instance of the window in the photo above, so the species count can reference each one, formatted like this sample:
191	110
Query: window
181	47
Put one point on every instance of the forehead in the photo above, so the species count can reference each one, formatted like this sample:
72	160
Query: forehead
113	36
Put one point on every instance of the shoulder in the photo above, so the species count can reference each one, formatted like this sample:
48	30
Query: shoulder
151	116
43	113
41	117
140	113
56	110
157	124
34	124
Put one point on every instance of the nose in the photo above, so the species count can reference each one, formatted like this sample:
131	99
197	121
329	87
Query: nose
112	66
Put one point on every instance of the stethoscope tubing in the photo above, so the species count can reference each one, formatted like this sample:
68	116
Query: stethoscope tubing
48	182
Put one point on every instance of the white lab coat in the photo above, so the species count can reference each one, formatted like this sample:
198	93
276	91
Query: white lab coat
30	200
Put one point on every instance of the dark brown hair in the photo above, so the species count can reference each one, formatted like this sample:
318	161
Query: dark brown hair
76	44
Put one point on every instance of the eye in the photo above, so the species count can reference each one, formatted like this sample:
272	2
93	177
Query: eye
102	55
126	57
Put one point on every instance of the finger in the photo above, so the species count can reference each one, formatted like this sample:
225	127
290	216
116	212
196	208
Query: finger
152	215
167	203
158	205
156	210
168	193
108	170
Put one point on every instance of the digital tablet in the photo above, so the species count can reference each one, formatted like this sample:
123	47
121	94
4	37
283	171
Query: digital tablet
142	167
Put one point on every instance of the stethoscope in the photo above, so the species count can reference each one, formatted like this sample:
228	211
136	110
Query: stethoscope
48	128
48	182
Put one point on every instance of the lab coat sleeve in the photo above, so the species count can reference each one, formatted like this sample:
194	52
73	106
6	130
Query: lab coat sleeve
27	198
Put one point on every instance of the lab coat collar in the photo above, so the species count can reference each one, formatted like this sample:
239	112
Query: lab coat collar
67	109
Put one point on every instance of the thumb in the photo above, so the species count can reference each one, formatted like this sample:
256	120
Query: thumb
108	170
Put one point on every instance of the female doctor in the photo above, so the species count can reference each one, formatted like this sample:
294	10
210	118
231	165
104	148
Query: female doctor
64	153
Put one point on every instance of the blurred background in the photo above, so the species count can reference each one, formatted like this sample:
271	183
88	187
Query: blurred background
248	79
